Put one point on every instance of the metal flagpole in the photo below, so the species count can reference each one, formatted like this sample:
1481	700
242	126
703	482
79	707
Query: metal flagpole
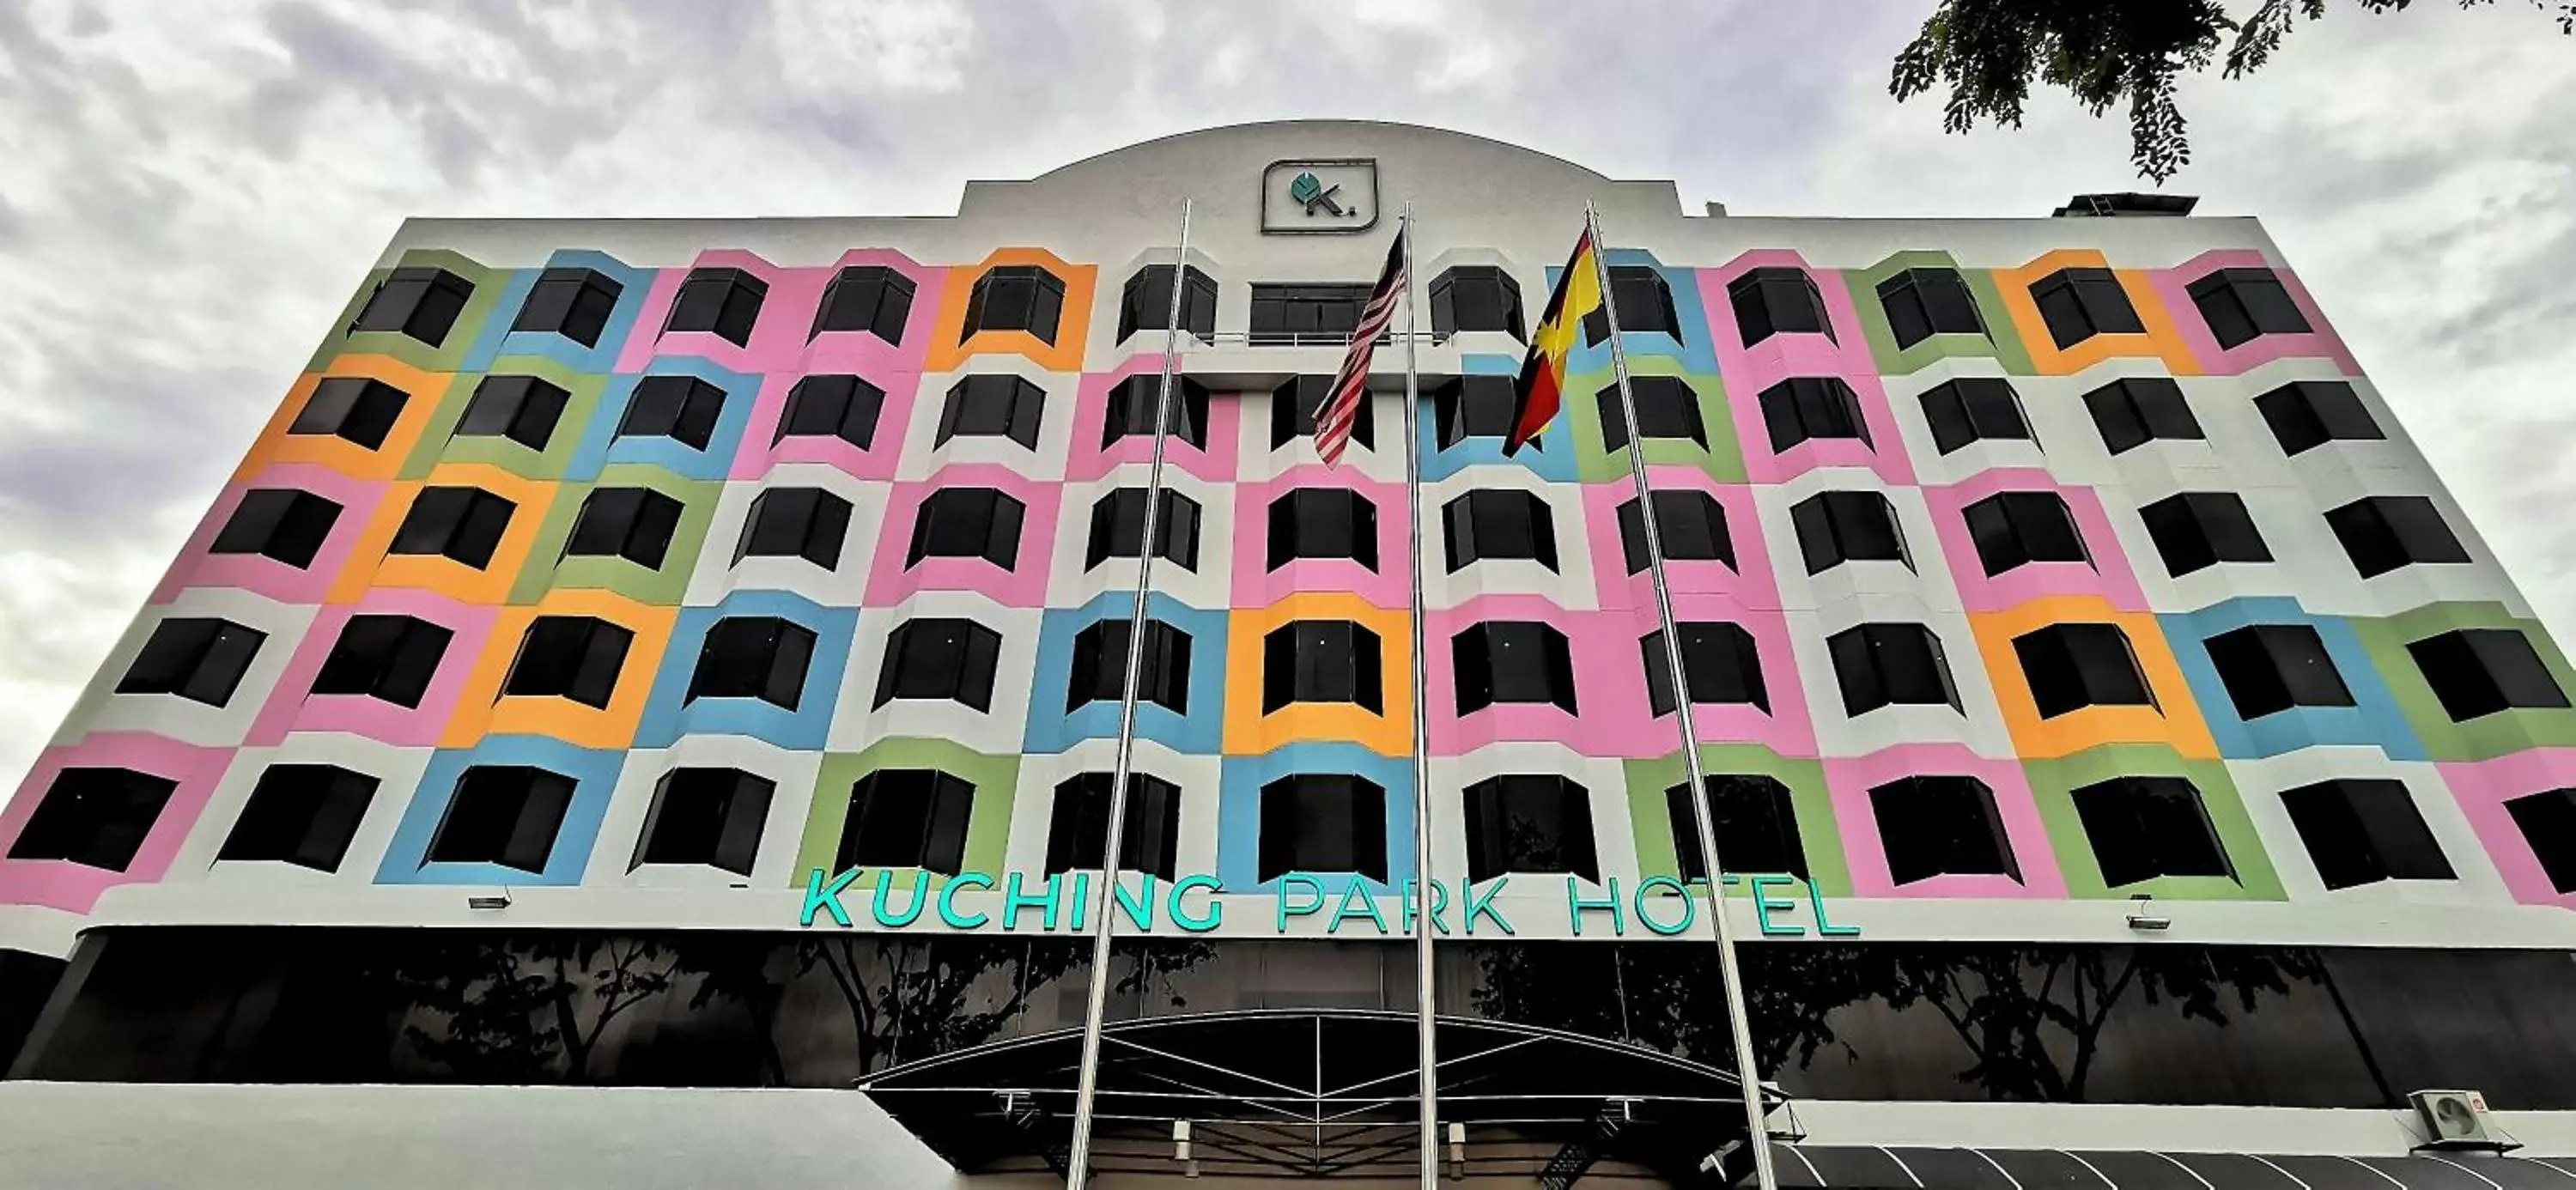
1096	1002
1747	1068
1424	1017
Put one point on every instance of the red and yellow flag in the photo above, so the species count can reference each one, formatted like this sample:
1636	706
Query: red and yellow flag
1541	388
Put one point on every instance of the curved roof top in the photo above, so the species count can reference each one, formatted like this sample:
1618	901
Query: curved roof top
1375	130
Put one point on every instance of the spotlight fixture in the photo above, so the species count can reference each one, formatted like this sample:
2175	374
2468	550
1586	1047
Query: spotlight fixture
2144	917
488	901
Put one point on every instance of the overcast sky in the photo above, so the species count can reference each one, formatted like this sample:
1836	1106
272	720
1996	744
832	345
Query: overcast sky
190	190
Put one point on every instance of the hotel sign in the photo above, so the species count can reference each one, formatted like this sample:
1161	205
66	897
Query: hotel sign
1319	196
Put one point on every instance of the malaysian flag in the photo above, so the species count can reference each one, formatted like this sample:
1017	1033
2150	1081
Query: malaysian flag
1350	385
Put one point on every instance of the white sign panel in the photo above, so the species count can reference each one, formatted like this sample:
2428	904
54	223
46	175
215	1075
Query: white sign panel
1319	196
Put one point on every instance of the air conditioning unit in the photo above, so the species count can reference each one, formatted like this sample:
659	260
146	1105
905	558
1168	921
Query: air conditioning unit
2458	1120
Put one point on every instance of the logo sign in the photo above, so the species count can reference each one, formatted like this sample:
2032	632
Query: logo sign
1319	196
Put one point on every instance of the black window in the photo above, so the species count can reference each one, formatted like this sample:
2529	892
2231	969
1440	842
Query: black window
2383	533
1498	523
1100	666
1667	407
2145	827
1465	407
1756	822
993	407
2134	411
1879	664
761	657
1689	525
2074	666
1805	407
832	406
723	301
575	657
1321	661
354	408
1719	663
523	409
1078	830
96	817
1316	823
1312	315
808	523
2273	667
2016	528
301	814
2361	830
1838	527
1118	528
1475	297
968	523
681	408
1529	823
2194	530
1645	302
1777	301
420	302
1323	523
502	814
2547	821
574	303
1147	302
1293	407
1512	661
2306	414
392	658
2478	671
865	297
198	658
2078	304
1921	303
1016	298
705	816
631	523
1941	826
946	659
1974	409
2239	304
463	524
907	818
1131	410
283	524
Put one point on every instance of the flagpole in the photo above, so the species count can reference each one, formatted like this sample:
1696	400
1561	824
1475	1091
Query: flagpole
1748	1075
1425	1016
1096	1001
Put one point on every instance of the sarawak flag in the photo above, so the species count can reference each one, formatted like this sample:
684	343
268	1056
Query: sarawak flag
1541	388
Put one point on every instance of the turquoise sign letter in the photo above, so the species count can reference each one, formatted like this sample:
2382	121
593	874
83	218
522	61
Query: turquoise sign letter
1286	910
826	898
1195	923
1825	928
1439	905
1483	906
1575	904
1690	907
948	913
1140	911
1763	905
1013	900
885	884
1356	902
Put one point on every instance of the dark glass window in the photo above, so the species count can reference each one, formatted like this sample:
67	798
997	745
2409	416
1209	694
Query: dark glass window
1498	523
2132	412
832	406
2078	304
1465	407
936	659
2273	667
2383	533
1475	297
1016	298
1317	823
968	523
2239	304
1512	661
502	814
2074	666
1838	527
1312	315
575	657
681	408
631	523
523	409
1131	410
808	523
1974	409
1078	830
420	302
95	817
1718	661
2364	830
865	297
1100	666
354	408
1645	303
1667	407
2306	414
1921	303
1879	664
2194	530
198	658
1323	523
2016	528
1322	661
907	818
1777	301
1941	826
301	814
1691	526
282	524
1529	823
993	407
725	302
1293	407
1146	304
2478	671
1756	822
705	816
1118	528
2547	821
574	303
392	658
463	524
2145	827
1805	407
763	657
